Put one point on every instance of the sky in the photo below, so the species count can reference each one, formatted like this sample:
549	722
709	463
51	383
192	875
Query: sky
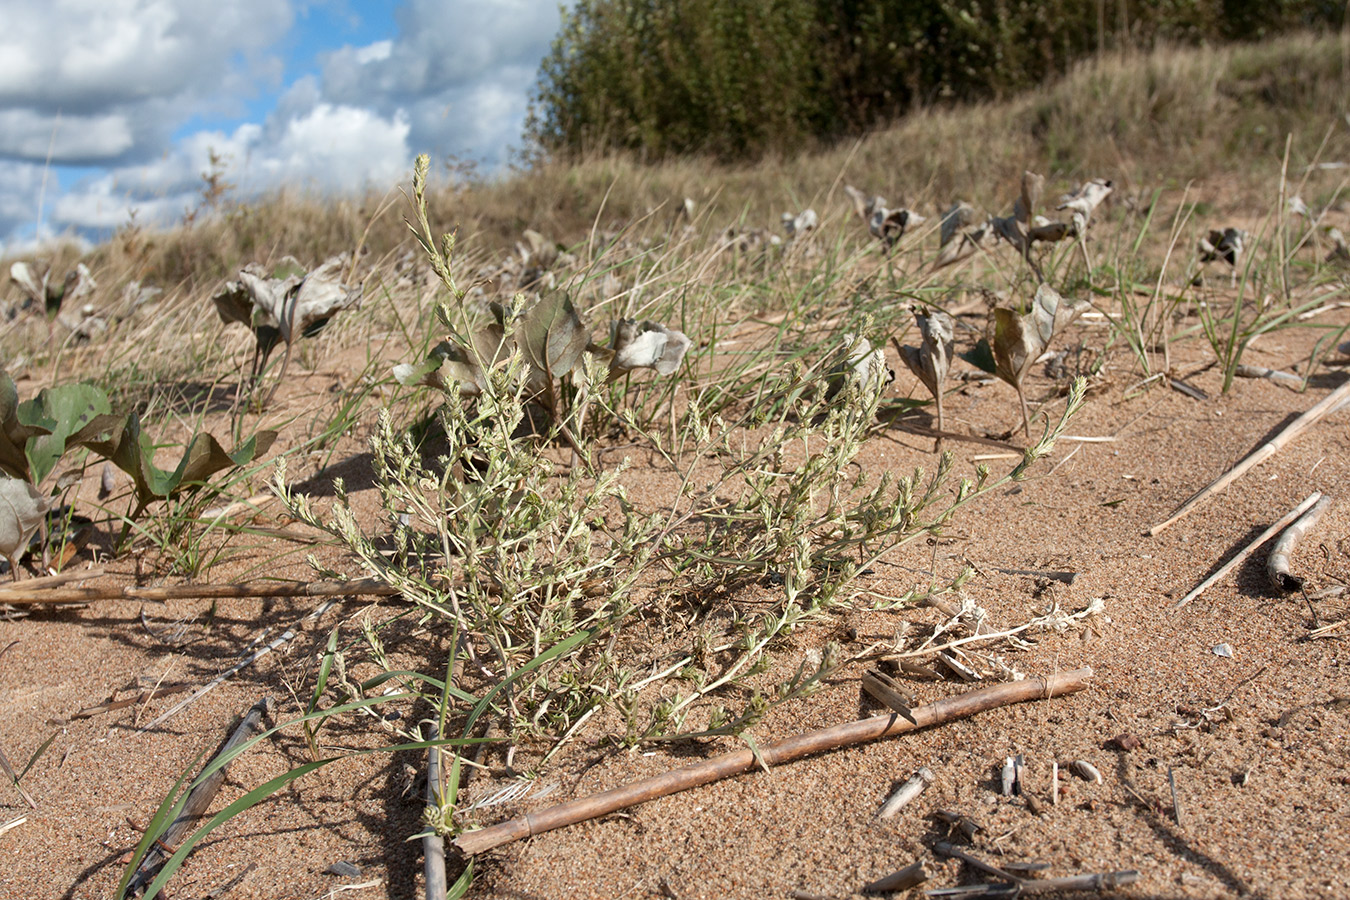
111	109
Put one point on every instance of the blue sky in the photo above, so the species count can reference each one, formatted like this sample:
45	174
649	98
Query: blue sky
317	95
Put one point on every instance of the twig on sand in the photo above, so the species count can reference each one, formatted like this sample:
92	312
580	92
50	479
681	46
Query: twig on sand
906	793
1176	805
737	762
1099	881
198	801
911	875
1277	564
1260	455
433	845
1251	548
20	595
287	635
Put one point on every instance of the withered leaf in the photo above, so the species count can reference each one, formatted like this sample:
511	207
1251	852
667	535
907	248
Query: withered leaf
646	345
551	335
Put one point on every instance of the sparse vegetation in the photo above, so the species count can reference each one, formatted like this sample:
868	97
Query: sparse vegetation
617	465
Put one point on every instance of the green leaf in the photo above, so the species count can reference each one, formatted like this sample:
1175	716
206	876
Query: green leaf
61	412
552	336
121	442
553	652
14	435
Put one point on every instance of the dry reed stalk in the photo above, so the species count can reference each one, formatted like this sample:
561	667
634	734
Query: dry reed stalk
433	845
20	595
47	582
737	762
1260	455
198	801
1248	550
1277	564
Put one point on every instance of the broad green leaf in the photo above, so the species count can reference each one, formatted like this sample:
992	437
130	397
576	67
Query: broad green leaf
552	336
121	441
61	411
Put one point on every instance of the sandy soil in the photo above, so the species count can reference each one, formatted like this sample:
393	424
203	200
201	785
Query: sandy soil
1277	709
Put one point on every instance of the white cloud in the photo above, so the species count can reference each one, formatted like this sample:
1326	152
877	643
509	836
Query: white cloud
112	78
27	134
82	54
461	69
124	75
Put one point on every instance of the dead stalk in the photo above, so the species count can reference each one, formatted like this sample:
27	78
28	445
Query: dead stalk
1261	454
1251	548
1277	564
433	845
735	763
21	595
198	800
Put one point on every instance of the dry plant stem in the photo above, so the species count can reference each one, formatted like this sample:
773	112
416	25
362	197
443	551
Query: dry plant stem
1260	455
1176	806
1251	548
888	691
1277	564
49	581
1100	881
942	848
220	679
433	845
21	596
911	875
198	800
906	793
1096	882
737	762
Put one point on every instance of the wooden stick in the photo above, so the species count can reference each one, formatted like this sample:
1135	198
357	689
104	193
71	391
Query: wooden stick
1277	564
736	762
18	595
1261	454
198	801
1251	548
1095	882
433	845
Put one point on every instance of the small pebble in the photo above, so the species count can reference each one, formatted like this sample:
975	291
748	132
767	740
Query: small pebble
342	869
1124	742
